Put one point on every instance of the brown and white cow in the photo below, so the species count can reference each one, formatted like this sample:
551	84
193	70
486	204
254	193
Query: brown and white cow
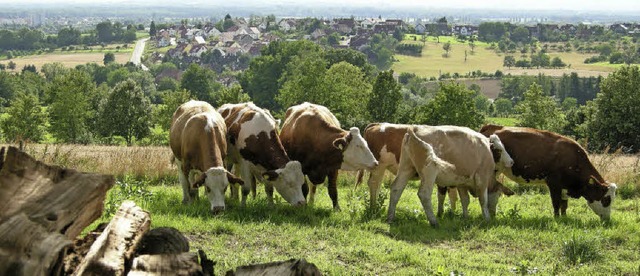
257	153
312	135
451	156
546	157
198	141
385	141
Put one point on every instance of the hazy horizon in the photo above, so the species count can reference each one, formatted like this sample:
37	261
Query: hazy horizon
622	6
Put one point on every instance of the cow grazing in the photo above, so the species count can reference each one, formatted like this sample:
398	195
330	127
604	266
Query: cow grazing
257	153
385	141
546	157
451	156
198	141
312	135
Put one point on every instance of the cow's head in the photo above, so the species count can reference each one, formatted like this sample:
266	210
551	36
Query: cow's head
215	180
289	182
494	193
356	154
600	205
500	155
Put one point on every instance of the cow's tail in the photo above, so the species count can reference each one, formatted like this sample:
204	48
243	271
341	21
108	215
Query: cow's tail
431	154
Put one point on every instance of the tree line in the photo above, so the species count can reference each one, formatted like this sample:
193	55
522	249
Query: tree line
121	104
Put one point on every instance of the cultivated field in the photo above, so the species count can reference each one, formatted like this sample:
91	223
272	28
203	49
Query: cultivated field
67	59
524	237
432	63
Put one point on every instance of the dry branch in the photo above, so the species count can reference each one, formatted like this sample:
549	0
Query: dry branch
174	264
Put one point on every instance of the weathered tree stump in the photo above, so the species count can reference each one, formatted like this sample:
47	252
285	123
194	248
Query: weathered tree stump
163	240
43	208
293	267
116	245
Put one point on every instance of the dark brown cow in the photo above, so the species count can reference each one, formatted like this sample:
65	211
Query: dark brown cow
257	153
312	135
198	141
546	157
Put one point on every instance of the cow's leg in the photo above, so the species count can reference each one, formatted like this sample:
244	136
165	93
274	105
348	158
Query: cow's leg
482	184
442	193
332	186
312	193
184	182
375	180
427	180
235	195
453	197
555	191
268	189
397	187
247	178
464	200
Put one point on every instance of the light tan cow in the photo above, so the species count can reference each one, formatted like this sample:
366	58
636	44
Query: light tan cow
451	156
385	141
198	141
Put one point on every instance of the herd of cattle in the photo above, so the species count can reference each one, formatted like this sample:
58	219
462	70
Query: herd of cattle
207	143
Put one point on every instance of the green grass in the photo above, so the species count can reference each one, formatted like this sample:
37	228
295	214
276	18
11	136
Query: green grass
525	237
432	63
502	121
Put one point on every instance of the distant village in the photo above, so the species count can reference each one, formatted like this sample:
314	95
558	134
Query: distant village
248	37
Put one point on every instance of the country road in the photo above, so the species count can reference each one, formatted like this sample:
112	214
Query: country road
136	56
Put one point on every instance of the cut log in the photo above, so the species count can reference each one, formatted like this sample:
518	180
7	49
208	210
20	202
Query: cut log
116	245
293	267
166	264
43	208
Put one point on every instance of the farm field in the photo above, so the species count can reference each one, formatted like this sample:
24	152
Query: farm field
67	59
432	63
524	237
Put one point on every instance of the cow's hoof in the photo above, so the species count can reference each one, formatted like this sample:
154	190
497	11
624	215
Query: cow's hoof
336	209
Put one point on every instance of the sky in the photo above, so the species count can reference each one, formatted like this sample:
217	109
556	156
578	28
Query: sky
577	5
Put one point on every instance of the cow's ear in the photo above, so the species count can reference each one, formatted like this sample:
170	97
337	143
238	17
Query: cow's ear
199	181
270	175
234	179
340	143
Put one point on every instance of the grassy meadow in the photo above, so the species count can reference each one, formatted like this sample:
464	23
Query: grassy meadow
524	238
432	63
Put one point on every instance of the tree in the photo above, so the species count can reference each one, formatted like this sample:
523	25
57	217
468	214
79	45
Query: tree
616	120
446	47
201	83
171	100
126	112
70	110
108	58
556	62
104	32
152	29
11	65
452	105
53	70
385	98
509	61
26	119
472	45
539	111
233	94
68	36
333	39
503	107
